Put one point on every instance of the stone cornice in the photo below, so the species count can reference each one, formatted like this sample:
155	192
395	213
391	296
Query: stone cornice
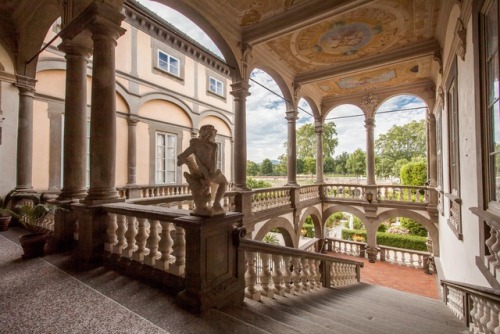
298	17
163	32
414	51
413	88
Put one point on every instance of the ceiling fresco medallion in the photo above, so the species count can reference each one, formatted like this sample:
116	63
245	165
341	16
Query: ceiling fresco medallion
357	81
252	12
365	31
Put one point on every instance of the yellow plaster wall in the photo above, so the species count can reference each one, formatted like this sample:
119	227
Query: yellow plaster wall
219	124
142	142
121	176
164	111
124	50
121	105
41	146
52	83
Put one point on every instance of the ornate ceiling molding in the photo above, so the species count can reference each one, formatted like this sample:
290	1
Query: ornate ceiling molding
403	54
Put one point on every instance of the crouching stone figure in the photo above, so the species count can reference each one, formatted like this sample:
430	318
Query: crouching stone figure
204	177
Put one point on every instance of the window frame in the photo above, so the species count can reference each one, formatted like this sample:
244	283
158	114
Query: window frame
169	58
216	82
166	171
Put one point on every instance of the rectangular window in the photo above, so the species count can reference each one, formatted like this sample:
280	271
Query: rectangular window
87	150
489	51
166	158
168	63
219	156
453	143
215	86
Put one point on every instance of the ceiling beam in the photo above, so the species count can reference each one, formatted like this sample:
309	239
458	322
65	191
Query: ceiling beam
298	17
406	53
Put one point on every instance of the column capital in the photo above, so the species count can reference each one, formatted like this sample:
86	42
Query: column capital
72	49
431	118
26	85
240	89
318	126
132	120
369	104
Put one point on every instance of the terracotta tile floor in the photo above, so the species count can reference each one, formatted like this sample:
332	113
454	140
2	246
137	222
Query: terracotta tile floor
397	277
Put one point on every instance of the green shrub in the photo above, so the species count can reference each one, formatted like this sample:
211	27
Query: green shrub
413	227
334	220
391	240
382	228
357	224
255	184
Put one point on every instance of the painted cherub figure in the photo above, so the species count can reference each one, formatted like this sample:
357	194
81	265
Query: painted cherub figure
203	172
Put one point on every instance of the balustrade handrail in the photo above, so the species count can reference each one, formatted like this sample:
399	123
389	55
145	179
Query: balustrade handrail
143	211
489	293
361	243
259	246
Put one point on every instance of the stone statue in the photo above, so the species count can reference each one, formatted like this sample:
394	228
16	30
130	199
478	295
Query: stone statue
204	178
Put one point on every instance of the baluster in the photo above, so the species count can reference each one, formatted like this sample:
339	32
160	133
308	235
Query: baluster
120	234
130	236
319	283
251	277
265	276
111	239
312	275
489	259
296	275
493	323
287	276
141	238
279	289
153	243
334	274
304	274
179	251
165	247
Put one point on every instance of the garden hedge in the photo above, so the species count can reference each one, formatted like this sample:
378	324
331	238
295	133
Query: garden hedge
391	240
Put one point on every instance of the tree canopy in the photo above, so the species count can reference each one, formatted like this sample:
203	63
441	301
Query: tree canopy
356	163
266	168
306	140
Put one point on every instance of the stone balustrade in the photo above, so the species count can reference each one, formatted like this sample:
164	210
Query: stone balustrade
489	262
146	235
409	194
478	307
404	257
270	198
309	193
347	247
344	191
386	193
280	270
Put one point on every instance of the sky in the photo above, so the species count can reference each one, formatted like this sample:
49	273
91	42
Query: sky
266	123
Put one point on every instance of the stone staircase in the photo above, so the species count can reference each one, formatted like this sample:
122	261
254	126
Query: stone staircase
51	295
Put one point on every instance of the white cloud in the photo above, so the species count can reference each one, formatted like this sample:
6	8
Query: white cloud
182	23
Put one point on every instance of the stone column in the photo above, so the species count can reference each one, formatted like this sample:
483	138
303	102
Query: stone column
25	139
319	151
75	122
370	151
291	117
132	150
55	117
240	93
103	115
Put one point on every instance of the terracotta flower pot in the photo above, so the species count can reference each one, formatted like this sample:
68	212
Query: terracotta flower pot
33	244
4	223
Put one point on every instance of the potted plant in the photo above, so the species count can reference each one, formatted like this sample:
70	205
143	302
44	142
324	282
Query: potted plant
6	215
33	243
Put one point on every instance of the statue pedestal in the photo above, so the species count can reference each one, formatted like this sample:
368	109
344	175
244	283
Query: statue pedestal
214	275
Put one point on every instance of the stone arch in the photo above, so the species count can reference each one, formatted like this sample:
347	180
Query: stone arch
284	88
122	94
314	107
414	94
224	118
345	208
231	53
284	226
316	218
334	106
421	219
165	97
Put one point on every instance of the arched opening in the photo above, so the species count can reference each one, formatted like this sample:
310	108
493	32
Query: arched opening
348	161
401	140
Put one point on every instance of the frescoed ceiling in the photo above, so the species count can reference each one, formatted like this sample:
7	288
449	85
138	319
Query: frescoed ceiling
341	47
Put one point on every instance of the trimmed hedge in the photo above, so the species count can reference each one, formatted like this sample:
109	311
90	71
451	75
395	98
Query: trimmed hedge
391	240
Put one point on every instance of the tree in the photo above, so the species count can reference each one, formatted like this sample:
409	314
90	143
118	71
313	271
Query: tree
281	168
252	168
402	142
310	165
356	163
266	168
329	165
414	173
413	227
340	163
306	140
300	166
396	169
383	167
